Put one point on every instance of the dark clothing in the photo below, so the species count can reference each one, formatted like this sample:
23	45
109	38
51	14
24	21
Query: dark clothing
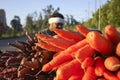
0	51
48	32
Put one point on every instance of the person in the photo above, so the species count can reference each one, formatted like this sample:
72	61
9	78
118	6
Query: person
1	32
55	21
1	29
0	51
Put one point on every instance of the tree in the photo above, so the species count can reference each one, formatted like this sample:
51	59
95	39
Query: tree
47	13
104	15
73	20
29	27
68	20
109	14
16	24
114	16
39	23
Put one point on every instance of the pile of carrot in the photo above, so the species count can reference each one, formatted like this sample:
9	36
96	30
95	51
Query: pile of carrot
84	54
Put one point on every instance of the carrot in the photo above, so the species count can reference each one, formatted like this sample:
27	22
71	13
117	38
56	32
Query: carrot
56	36
89	74
30	64
83	30
112	63
118	74
48	47
8	70
109	75
42	36
47	56
84	52
69	69
101	79
112	34
57	42
99	66
89	61
56	61
69	35
77	76
118	49
55	68
60	43
73	48
99	43
23	72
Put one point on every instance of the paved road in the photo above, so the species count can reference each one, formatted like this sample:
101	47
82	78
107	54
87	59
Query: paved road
4	43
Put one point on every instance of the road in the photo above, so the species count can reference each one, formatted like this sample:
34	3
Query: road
4	43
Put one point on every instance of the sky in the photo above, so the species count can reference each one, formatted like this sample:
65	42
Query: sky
80	9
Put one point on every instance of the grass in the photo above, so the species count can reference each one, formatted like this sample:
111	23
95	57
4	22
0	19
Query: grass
12	35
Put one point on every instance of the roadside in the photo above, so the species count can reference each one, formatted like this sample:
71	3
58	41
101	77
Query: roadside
4	43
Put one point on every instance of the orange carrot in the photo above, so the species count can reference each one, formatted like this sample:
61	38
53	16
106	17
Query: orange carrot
118	74
99	66
84	52
99	43
112	34
55	68
118	49
48	47
60	43
56	36
69	69
112	63
77	76
110	76
89	61
57	42
101	79
90	74
73	48
83	30
42	36
56	61
69	35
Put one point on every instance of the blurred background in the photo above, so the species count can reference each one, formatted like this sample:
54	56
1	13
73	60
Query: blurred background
20	16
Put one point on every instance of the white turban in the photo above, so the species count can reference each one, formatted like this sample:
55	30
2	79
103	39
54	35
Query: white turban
56	20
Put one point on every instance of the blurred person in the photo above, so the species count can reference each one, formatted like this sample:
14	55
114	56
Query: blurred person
55	21
1	29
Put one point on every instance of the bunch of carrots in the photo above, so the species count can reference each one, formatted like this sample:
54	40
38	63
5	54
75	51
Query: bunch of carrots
83	55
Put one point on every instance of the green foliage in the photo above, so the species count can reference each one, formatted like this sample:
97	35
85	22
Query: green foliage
16	24
106	14
12	33
67	27
38	24
29	27
41	22
47	13
109	14
114	16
